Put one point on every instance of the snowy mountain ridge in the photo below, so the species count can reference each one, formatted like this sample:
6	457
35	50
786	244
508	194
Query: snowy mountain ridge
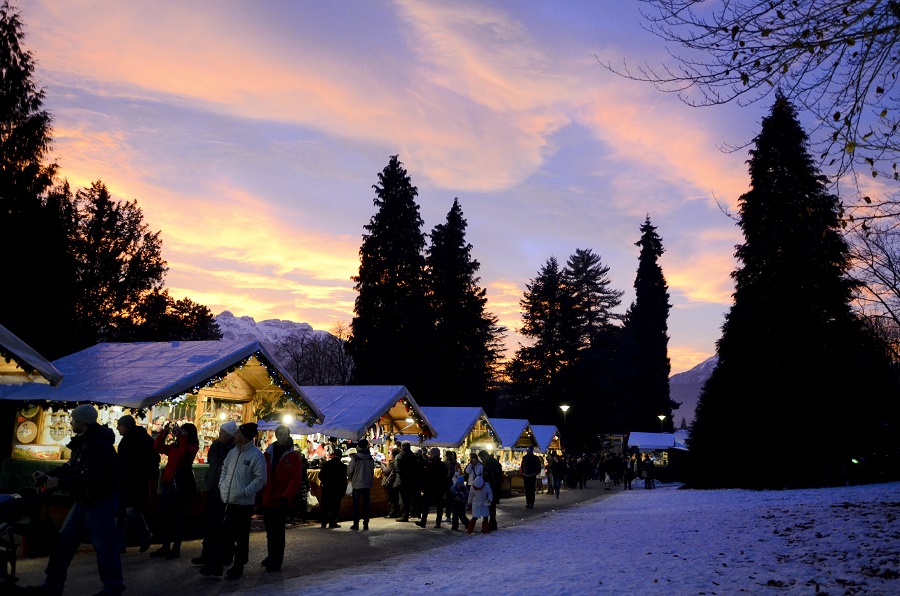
270	332
685	388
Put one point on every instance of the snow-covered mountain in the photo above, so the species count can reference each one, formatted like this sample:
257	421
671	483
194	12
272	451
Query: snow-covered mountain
685	388
269	332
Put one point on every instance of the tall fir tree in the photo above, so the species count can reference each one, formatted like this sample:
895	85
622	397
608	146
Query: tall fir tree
467	337
392	329
536	373
593	298
646	326
800	391
34	229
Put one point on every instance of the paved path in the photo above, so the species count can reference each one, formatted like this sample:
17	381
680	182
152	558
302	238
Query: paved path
310	550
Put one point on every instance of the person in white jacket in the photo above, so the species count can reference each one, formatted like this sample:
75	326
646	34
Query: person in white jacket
243	475
480	498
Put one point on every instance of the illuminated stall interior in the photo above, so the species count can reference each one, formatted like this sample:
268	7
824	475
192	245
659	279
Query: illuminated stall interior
203	382
460	429
515	437
376	412
547	437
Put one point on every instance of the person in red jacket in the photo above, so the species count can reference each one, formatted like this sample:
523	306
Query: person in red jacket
177	486
285	477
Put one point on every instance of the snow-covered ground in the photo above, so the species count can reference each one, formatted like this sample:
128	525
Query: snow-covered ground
664	541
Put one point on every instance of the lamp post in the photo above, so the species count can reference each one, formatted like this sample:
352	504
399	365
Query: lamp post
661	418
565	408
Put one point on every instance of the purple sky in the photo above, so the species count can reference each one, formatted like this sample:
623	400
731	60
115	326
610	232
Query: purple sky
251	134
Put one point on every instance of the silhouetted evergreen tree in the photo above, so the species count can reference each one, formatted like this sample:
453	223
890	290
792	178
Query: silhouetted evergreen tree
548	316
646	324
119	262
800	389
33	221
392	330
467	337
593	299
159	317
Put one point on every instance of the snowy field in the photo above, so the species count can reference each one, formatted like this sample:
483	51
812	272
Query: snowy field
664	541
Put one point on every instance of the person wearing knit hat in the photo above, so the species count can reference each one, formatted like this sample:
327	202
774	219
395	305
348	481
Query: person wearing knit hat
85	413
215	508
249	430
459	498
480	499
243	475
91	477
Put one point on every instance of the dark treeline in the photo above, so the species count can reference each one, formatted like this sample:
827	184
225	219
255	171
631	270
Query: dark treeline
82	267
421	321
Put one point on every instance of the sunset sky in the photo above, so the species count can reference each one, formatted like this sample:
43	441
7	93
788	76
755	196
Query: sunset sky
251	133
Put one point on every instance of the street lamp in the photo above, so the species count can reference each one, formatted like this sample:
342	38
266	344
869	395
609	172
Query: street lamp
565	409
661	418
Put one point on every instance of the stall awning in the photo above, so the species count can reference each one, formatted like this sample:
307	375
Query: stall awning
513	433
453	424
25	364
350	410
543	434
654	441
139	375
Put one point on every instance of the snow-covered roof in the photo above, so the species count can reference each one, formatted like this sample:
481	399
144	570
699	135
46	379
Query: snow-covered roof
139	375
26	360
453	424
543	434
513	432
653	441
350	410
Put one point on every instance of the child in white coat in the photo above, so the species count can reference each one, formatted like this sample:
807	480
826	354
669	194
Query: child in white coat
480	497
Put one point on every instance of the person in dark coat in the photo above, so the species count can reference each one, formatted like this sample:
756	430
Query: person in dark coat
214	514
407	478
333	477
437	483
531	467
91	476
393	488
559	469
459	499
139	463
493	474
284	477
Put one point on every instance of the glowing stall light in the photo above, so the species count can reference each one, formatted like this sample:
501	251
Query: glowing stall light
222	416
287	419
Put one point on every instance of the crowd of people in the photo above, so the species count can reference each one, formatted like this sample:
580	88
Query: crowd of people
112	488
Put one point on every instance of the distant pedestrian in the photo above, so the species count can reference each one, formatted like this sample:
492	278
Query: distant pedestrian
408	479
361	474
177	487
390	482
333	478
530	468
139	463
647	469
459	500
493	474
243	476
284	477
214	514
559	469
480	499
473	469
437	483
91	476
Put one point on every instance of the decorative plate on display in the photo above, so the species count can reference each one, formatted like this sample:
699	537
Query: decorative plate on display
26	432
30	411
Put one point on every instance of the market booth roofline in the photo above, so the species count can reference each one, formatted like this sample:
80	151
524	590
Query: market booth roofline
514	433
547	437
350	411
456	424
140	375
20	363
